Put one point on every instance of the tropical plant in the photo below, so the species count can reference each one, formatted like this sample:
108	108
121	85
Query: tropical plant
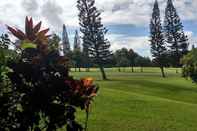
32	35
42	96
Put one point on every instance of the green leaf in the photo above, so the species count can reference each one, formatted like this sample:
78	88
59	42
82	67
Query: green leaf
26	45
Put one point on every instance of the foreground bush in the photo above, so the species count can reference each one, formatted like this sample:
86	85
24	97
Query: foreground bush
41	95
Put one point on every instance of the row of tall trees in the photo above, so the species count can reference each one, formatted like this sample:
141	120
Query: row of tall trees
96	48
120	58
168	42
78	56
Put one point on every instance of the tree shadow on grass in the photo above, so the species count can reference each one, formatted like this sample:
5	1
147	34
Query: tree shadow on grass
163	86
151	84
162	90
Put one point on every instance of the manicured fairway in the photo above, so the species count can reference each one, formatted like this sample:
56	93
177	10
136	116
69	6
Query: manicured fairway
142	102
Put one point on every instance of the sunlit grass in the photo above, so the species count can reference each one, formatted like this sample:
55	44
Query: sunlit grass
142	101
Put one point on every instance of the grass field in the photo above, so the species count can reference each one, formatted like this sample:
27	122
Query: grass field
142	101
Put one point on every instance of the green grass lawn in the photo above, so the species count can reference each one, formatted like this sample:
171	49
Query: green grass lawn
142	101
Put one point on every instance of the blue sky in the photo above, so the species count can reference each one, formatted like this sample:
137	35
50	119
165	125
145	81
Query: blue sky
127	20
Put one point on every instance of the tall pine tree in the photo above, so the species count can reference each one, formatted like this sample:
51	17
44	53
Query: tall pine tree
158	48
94	41
54	42
175	36
77	54
77	42
65	40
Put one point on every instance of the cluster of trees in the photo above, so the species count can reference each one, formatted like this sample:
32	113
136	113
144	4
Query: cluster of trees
95	51
95	47
189	62
129	58
120	58
168	42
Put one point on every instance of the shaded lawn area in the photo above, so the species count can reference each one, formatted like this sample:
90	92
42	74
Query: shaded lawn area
142	101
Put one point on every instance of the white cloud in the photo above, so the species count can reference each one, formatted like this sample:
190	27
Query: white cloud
135	12
30	6
138	12
53	13
192	38
139	43
57	12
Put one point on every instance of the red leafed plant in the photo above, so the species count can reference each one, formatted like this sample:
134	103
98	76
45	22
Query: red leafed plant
81	94
41	87
85	89
32	33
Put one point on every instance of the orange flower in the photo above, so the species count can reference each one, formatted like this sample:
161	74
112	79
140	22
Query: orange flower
87	81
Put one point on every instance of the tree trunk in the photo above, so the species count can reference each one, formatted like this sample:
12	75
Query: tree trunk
132	69
103	73
75	69
87	69
119	69
177	70
141	69
162	72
